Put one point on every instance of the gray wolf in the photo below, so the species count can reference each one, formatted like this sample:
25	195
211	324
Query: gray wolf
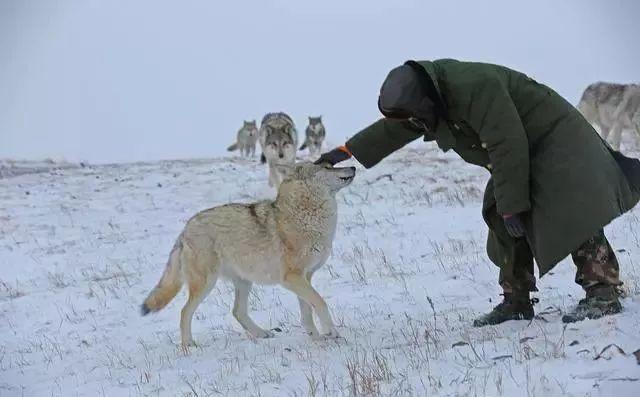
315	135
627	116
269	242
599	104
278	138
246	139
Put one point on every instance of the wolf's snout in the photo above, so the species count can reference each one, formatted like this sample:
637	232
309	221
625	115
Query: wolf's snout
351	171
349	175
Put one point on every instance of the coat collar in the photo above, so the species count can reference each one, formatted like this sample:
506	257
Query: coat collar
444	136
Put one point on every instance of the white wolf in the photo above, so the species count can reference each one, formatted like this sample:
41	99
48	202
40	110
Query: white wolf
270	242
315	135
627	115
599	104
279	139
246	139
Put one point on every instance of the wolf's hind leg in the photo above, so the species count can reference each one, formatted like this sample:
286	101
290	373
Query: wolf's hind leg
200	280
240	310
297	284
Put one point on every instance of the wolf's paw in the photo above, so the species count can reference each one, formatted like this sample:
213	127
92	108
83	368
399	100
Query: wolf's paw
187	344
332	334
262	334
314	335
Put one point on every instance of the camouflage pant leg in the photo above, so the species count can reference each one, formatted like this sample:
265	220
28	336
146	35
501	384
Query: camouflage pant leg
596	263
516	270
512	256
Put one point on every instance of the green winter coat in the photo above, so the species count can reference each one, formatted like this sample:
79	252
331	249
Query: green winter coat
545	159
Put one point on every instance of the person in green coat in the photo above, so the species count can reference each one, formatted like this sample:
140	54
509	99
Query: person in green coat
554	182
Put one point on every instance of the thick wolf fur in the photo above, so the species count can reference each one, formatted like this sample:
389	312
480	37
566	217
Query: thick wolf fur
627	116
599	105
315	135
246	139
278	138
270	242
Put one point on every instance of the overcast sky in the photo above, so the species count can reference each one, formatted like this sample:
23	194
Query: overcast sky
122	80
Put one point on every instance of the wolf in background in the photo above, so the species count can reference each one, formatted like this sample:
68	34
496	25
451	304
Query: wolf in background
278	138
246	139
627	116
600	104
315	135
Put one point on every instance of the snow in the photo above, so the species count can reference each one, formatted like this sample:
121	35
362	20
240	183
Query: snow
80	248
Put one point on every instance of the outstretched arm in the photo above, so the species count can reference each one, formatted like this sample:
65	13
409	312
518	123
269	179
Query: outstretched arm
374	143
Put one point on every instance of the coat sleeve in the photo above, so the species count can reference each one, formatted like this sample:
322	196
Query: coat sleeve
379	140
494	116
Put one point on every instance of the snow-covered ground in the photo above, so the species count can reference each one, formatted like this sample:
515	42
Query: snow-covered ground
80	248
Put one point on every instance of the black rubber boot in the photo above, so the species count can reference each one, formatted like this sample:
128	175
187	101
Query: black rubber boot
516	306
601	300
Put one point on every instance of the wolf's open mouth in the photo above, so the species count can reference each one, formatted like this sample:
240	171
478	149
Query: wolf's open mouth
346	178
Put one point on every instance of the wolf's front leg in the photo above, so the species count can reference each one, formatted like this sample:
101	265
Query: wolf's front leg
272	176
306	318
240	311
306	314
297	284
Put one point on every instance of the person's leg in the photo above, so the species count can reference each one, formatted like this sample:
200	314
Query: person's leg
516	270
596	263
597	272
515	260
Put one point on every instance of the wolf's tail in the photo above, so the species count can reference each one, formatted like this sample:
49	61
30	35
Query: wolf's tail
233	147
169	284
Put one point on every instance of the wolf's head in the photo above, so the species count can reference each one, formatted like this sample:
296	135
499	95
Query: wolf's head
315	120
279	145
250	127
319	176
